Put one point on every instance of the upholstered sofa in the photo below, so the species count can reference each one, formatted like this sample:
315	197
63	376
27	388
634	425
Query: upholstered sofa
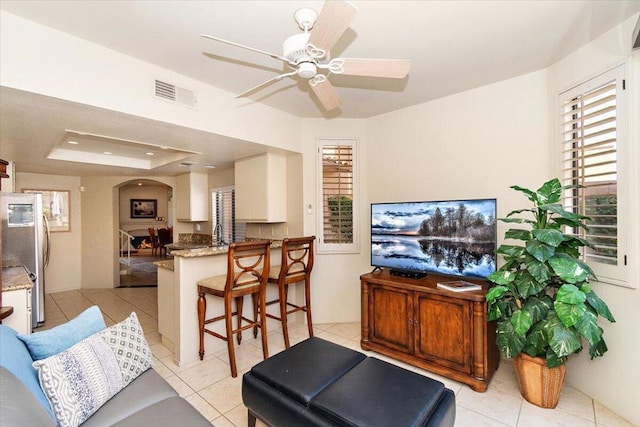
147	399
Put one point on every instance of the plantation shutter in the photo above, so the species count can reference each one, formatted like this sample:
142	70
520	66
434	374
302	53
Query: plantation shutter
338	202
223	213
590	120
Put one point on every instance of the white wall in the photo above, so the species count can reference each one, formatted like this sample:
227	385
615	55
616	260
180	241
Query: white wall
65	266
613	379
335	283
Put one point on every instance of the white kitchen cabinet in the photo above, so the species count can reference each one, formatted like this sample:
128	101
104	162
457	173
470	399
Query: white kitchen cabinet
192	199
261	189
20	300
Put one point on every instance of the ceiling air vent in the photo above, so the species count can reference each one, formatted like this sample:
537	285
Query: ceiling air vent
173	93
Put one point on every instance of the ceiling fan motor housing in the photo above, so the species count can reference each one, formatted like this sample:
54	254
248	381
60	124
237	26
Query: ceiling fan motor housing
294	48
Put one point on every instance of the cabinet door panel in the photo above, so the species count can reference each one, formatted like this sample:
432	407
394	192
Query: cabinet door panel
443	333
391	314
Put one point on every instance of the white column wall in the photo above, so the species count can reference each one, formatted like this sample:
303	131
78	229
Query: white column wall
612	379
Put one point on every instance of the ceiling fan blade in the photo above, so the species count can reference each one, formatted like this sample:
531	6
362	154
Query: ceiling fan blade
333	21
273	55
327	95
389	68
274	79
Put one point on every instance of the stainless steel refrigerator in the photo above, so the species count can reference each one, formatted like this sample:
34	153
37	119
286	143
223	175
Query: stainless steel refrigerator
25	242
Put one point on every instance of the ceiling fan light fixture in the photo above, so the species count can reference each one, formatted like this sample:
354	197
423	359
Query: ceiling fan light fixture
307	70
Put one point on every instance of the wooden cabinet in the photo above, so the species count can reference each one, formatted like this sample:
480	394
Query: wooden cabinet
261	189
437	330
20	300
192	198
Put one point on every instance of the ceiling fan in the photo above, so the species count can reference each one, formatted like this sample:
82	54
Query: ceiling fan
308	53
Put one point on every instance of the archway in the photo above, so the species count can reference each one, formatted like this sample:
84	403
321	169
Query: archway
143	204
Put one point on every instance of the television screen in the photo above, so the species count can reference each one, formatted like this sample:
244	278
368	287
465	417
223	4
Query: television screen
455	237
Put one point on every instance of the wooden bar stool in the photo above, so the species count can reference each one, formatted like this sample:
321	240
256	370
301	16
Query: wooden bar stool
295	267
247	273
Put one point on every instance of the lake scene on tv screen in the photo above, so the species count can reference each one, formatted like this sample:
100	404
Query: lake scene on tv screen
448	237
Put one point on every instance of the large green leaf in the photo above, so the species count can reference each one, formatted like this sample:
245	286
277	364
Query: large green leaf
521	321
539	270
570	314
600	306
496	292
552	358
526	284
517	211
502	277
530	194
517	220
564	341
570	270
536	343
573	219
598	350
512	251
588	327
518	234
550	191
541	251
570	294
508	341
550	237
537	308
499	310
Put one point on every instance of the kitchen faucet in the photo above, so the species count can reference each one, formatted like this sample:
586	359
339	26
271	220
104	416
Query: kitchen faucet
218	233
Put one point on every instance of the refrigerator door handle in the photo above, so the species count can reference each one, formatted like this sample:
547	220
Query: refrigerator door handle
47	247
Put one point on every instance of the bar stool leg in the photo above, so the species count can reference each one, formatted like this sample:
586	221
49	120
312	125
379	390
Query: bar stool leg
229	326
239	305
256	301
283	295
263	323
307	297
202	309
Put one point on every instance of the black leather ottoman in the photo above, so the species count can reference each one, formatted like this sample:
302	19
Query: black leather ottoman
319	383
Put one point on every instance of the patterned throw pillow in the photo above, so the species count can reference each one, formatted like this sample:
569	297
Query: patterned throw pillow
78	381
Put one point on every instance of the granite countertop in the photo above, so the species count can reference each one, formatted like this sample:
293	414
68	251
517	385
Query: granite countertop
15	278
212	250
166	264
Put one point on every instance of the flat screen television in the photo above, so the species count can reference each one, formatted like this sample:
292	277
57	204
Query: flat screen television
452	237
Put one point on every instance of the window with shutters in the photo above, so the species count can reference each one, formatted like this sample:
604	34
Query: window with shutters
223	217
593	146
338	201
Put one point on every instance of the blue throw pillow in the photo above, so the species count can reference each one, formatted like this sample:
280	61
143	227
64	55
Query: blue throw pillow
15	357
48	343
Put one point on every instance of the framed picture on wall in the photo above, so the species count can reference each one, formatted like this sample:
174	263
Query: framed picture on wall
144	208
55	207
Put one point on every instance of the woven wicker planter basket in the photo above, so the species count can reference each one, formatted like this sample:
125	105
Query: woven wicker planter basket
539	384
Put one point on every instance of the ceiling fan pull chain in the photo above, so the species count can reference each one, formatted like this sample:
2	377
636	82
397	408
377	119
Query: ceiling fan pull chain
319	78
314	52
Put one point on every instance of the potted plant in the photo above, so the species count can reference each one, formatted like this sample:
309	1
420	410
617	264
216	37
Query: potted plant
542	301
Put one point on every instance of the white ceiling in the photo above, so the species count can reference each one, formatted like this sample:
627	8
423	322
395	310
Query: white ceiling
453	46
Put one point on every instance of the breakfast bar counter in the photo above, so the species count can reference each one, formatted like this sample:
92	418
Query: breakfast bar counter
178	296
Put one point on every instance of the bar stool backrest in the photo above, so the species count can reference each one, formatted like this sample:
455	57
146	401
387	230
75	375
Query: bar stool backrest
297	257
248	264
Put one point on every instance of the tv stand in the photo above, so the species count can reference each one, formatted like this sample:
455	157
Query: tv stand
407	273
445	332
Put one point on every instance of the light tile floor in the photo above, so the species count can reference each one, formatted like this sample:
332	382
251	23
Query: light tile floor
209	387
